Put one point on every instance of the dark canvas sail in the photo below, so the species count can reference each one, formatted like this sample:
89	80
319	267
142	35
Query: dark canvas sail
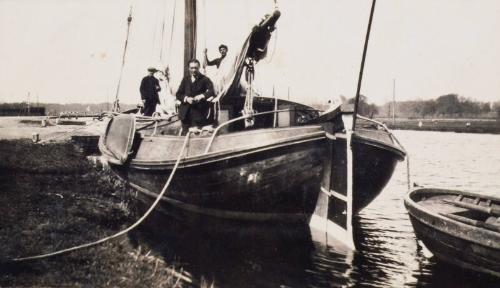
255	47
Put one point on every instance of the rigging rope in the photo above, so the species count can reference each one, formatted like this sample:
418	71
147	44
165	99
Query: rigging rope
169	53
274	46
275	37
155	34
204	65
248	106
122	232
116	105
161	39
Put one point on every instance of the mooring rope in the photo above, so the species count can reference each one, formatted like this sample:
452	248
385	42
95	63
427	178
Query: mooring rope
122	232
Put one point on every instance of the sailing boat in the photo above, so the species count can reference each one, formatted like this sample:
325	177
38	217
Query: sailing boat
274	169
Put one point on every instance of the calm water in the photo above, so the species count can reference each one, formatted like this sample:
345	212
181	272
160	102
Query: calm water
388	255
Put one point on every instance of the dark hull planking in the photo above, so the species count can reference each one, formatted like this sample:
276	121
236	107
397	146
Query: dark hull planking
373	168
280	183
451	241
457	251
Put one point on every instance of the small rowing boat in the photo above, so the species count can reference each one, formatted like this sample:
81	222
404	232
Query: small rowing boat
459	228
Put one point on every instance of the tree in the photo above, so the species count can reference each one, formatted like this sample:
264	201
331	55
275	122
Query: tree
485	107
448	104
364	108
496	108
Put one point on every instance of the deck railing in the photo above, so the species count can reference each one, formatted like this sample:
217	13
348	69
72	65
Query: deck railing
214	134
394	139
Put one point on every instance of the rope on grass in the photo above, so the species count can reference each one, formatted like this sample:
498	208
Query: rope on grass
122	232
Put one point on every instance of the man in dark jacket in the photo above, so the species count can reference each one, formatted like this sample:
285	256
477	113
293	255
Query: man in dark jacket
194	95
150	86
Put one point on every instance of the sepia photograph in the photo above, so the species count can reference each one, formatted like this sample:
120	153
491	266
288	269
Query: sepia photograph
249	143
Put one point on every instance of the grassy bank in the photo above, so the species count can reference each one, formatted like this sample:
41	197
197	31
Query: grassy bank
52	198
447	125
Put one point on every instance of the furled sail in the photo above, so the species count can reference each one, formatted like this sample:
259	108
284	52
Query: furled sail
254	48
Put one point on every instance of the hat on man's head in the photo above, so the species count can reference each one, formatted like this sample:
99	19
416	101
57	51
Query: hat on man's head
152	69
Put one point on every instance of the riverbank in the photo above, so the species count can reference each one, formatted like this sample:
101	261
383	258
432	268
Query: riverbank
52	198
491	126
14	128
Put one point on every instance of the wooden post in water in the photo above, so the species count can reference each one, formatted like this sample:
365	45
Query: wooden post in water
360	78
334	207
332	217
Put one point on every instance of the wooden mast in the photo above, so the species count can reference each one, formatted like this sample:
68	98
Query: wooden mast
189	33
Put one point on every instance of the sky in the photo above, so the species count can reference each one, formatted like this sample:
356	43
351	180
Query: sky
70	51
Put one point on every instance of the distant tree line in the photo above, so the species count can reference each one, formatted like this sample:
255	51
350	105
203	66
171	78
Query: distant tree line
450	105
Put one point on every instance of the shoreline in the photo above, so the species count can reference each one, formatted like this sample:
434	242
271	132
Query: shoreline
483	126
53	198
86	133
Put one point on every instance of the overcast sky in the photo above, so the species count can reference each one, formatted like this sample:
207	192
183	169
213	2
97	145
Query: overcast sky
70	51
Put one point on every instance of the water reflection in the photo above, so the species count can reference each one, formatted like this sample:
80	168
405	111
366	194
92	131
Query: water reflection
232	254
235	254
433	273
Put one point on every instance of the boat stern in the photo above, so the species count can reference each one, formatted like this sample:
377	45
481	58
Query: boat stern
118	138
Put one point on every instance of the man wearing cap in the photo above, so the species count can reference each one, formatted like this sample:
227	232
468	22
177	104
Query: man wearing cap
150	86
193	96
217	61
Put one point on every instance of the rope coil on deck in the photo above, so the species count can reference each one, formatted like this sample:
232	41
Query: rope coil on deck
122	232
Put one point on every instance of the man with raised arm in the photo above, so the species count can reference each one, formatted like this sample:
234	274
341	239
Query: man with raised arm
216	61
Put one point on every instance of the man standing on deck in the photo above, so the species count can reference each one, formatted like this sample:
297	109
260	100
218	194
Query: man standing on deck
217	61
150	86
193	96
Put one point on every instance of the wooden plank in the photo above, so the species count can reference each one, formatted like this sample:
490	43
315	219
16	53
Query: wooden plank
476	207
472	222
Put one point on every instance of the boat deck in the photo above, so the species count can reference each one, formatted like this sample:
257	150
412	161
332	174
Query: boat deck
438	205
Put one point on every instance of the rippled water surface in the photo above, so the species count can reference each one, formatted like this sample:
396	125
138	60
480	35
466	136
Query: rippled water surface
278	255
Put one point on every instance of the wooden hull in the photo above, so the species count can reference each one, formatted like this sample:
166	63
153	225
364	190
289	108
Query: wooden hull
451	241
373	168
256	174
280	182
